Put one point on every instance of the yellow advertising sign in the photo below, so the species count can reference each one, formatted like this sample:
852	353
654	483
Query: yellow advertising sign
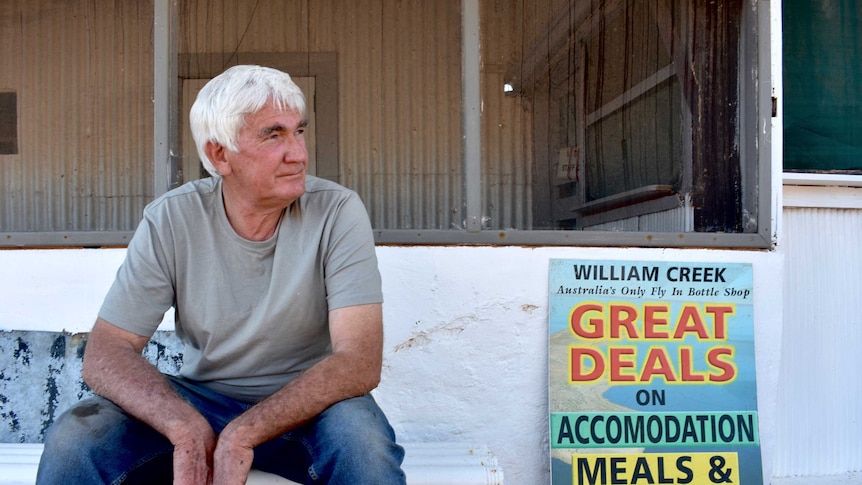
655	469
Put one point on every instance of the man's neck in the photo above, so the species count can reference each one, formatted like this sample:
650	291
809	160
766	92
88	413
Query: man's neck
251	222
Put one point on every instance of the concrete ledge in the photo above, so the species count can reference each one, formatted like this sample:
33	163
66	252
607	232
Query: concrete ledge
19	462
854	478
424	464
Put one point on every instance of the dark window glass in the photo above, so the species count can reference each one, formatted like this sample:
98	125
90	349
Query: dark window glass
8	123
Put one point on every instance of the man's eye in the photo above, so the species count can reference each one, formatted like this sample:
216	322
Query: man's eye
300	131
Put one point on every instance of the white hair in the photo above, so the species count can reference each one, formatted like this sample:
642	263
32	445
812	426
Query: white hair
218	114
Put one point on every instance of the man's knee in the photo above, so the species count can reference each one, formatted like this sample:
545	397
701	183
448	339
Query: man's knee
95	439
357	420
80	427
356	440
72	443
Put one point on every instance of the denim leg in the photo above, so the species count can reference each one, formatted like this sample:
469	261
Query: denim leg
95	442
349	443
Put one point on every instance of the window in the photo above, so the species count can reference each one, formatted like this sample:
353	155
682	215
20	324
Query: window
637	114
615	123
822	87
492	122
8	124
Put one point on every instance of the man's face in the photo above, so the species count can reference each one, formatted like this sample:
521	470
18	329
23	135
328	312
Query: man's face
269	168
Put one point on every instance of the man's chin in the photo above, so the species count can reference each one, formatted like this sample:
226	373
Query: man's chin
294	188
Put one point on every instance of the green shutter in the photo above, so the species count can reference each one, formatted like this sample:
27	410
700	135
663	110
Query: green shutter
822	85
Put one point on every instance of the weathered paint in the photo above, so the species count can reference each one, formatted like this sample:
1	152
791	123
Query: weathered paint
41	377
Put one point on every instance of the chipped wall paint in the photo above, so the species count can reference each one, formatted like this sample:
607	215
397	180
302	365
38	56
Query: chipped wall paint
40	376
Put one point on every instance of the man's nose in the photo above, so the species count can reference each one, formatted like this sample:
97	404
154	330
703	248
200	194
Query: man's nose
294	149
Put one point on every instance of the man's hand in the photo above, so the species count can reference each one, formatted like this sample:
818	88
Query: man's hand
193	456
232	459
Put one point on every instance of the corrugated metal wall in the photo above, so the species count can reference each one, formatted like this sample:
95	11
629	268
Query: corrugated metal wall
673	220
83	74
82	71
819	415
507	145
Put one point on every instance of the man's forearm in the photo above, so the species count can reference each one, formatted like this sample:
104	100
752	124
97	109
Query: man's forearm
300	401
353	369
115	369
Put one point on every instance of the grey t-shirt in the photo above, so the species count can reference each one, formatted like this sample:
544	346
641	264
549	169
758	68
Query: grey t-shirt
252	315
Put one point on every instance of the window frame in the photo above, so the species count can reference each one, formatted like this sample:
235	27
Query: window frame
822	179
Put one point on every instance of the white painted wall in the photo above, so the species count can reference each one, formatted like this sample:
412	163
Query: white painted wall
466	334
54	289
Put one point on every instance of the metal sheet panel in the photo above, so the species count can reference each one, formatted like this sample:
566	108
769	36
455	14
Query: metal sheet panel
507	143
670	221
83	74
399	100
820	398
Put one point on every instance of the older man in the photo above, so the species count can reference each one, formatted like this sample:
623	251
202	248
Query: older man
274	280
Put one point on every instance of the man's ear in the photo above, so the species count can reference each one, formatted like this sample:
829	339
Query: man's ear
217	155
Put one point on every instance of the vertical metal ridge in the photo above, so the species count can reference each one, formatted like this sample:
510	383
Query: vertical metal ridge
82	73
820	393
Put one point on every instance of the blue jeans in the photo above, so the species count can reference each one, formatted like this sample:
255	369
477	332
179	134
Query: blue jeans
96	442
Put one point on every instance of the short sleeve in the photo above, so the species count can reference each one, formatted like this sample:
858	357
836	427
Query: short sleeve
143	289
351	274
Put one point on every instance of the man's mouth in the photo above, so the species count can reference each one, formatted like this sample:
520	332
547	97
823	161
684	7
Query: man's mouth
293	174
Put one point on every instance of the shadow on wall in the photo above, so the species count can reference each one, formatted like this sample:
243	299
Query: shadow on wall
40	377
